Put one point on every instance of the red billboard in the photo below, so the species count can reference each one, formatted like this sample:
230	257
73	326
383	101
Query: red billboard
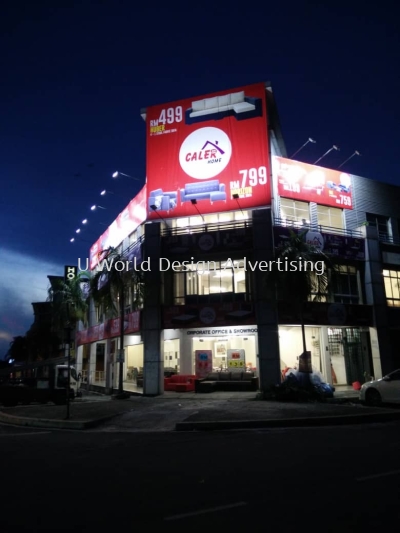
125	223
301	181
109	329
207	149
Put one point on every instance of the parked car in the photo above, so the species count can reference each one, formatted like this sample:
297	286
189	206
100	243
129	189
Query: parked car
384	390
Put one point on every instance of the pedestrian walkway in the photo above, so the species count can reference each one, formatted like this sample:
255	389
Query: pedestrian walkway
190	411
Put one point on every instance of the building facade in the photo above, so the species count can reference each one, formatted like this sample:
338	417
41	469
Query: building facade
220	197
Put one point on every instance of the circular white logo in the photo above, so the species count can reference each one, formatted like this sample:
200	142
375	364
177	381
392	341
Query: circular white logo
205	153
206	242
207	315
314	238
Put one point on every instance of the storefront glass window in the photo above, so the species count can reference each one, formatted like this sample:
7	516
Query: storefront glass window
391	280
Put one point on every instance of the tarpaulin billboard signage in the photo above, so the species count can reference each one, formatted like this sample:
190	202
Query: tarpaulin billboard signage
330	243
109	329
309	183
208	149
125	223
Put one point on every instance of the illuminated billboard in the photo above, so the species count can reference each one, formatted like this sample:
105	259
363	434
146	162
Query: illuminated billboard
208	149
125	223
309	183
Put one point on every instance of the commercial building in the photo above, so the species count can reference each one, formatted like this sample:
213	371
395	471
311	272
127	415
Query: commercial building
220	196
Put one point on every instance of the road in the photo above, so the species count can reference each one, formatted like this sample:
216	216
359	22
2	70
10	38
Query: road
328	479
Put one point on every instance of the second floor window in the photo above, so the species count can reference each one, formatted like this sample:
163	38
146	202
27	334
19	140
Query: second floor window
391	279
332	217
295	213
212	281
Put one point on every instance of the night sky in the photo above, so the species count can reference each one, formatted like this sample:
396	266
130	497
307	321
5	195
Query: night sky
75	74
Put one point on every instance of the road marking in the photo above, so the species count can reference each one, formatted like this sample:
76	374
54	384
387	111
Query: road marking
205	511
24	434
375	476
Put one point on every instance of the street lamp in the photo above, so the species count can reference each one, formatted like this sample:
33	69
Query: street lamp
301	147
334	147
117	173
104	192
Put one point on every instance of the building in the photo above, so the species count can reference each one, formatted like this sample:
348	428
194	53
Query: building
220	196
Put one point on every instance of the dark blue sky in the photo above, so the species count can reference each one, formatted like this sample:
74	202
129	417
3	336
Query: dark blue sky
75	74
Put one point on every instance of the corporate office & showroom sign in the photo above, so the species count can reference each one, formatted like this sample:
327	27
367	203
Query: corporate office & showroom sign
207	149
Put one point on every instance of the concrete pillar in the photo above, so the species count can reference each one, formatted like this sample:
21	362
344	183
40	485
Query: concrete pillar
325	355
92	364
153	374
265	305
79	359
185	354
375	295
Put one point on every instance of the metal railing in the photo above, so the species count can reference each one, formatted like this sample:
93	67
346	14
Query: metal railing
206	227
296	225
388	239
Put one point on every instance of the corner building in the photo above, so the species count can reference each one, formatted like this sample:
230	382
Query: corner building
220	196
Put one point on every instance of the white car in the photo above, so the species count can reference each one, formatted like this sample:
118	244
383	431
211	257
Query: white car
384	390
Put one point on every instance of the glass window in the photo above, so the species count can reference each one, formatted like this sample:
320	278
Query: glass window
294	212
206	279
391	281
331	217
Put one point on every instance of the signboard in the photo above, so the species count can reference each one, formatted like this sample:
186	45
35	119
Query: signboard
70	272
207	149
109	329
309	183
223	314
324	313
204	243
203	363
236	360
329	243
125	223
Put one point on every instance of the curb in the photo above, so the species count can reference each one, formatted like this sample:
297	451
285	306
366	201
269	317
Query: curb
55	424
336	420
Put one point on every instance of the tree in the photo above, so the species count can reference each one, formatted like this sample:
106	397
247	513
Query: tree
299	285
19	349
109	287
69	301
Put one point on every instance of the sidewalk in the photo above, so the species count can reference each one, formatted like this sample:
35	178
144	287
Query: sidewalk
190	411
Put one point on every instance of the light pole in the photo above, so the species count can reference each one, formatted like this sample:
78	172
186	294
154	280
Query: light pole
68	348
121	341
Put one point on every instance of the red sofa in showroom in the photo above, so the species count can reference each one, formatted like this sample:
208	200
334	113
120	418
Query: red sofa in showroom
180	383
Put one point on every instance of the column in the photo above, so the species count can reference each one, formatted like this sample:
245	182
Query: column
186	354
153	375
265	304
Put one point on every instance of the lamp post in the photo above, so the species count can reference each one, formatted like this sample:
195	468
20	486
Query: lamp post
68	349
121	354
118	173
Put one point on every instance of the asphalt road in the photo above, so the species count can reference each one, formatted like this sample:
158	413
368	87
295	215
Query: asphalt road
327	479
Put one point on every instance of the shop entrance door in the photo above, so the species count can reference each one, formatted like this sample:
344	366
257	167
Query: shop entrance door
353	355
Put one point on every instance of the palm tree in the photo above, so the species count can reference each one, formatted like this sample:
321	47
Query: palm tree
109	287
298	286
68	299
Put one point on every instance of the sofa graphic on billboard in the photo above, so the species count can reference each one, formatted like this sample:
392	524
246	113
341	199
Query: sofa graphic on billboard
309	183
211	151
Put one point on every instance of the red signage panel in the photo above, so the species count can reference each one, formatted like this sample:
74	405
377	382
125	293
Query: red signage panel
309	183
109	329
126	222
207	149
